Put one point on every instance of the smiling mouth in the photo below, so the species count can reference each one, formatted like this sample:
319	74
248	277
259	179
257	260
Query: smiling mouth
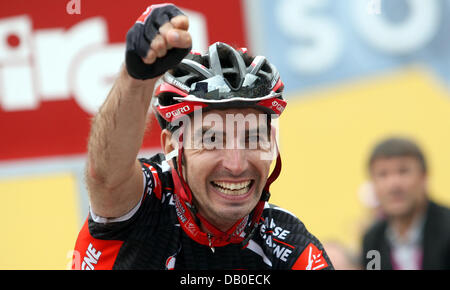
233	188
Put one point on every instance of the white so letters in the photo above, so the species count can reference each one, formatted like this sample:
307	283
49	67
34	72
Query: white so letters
317	40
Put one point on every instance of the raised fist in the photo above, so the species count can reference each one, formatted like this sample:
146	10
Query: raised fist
158	41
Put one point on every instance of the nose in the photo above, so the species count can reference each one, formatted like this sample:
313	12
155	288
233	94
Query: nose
235	161
394	182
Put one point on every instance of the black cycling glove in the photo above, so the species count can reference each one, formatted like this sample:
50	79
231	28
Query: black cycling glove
141	35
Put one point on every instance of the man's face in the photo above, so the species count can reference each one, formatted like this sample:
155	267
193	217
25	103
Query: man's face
226	164
399	183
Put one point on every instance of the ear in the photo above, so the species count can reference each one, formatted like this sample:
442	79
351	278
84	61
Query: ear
167	144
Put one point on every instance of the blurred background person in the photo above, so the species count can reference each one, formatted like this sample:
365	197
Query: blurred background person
414	232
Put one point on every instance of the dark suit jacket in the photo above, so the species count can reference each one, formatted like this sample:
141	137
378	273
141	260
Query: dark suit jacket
436	240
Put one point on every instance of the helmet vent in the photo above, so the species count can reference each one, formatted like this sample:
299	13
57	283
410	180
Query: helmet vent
166	98
266	68
225	60
233	79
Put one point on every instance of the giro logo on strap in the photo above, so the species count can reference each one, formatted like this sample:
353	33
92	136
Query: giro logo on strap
277	106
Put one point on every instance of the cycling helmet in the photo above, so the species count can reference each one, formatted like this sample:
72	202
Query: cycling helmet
222	78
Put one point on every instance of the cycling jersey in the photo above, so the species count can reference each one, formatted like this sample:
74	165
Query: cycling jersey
150	237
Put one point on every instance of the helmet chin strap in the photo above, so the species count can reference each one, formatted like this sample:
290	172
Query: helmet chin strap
186	211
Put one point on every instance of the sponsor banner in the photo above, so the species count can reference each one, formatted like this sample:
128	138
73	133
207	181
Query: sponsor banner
58	60
317	43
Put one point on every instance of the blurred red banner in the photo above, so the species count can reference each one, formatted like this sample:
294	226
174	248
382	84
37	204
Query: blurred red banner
57	66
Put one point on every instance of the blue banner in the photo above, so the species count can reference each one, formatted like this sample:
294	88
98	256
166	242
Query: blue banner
322	42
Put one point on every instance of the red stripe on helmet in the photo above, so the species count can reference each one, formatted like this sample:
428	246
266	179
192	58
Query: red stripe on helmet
168	88
278	85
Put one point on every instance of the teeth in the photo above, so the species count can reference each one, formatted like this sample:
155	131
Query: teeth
229	188
232	186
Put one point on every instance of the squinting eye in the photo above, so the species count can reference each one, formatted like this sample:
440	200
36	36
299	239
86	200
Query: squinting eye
212	141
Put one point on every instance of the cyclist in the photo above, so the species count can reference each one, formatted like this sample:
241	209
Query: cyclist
203	204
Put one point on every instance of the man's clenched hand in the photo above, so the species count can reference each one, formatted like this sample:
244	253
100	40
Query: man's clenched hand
158	41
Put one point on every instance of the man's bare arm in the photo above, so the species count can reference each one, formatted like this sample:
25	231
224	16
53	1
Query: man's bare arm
113	174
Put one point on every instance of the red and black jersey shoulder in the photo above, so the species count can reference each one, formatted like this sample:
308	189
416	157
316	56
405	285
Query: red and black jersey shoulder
141	240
